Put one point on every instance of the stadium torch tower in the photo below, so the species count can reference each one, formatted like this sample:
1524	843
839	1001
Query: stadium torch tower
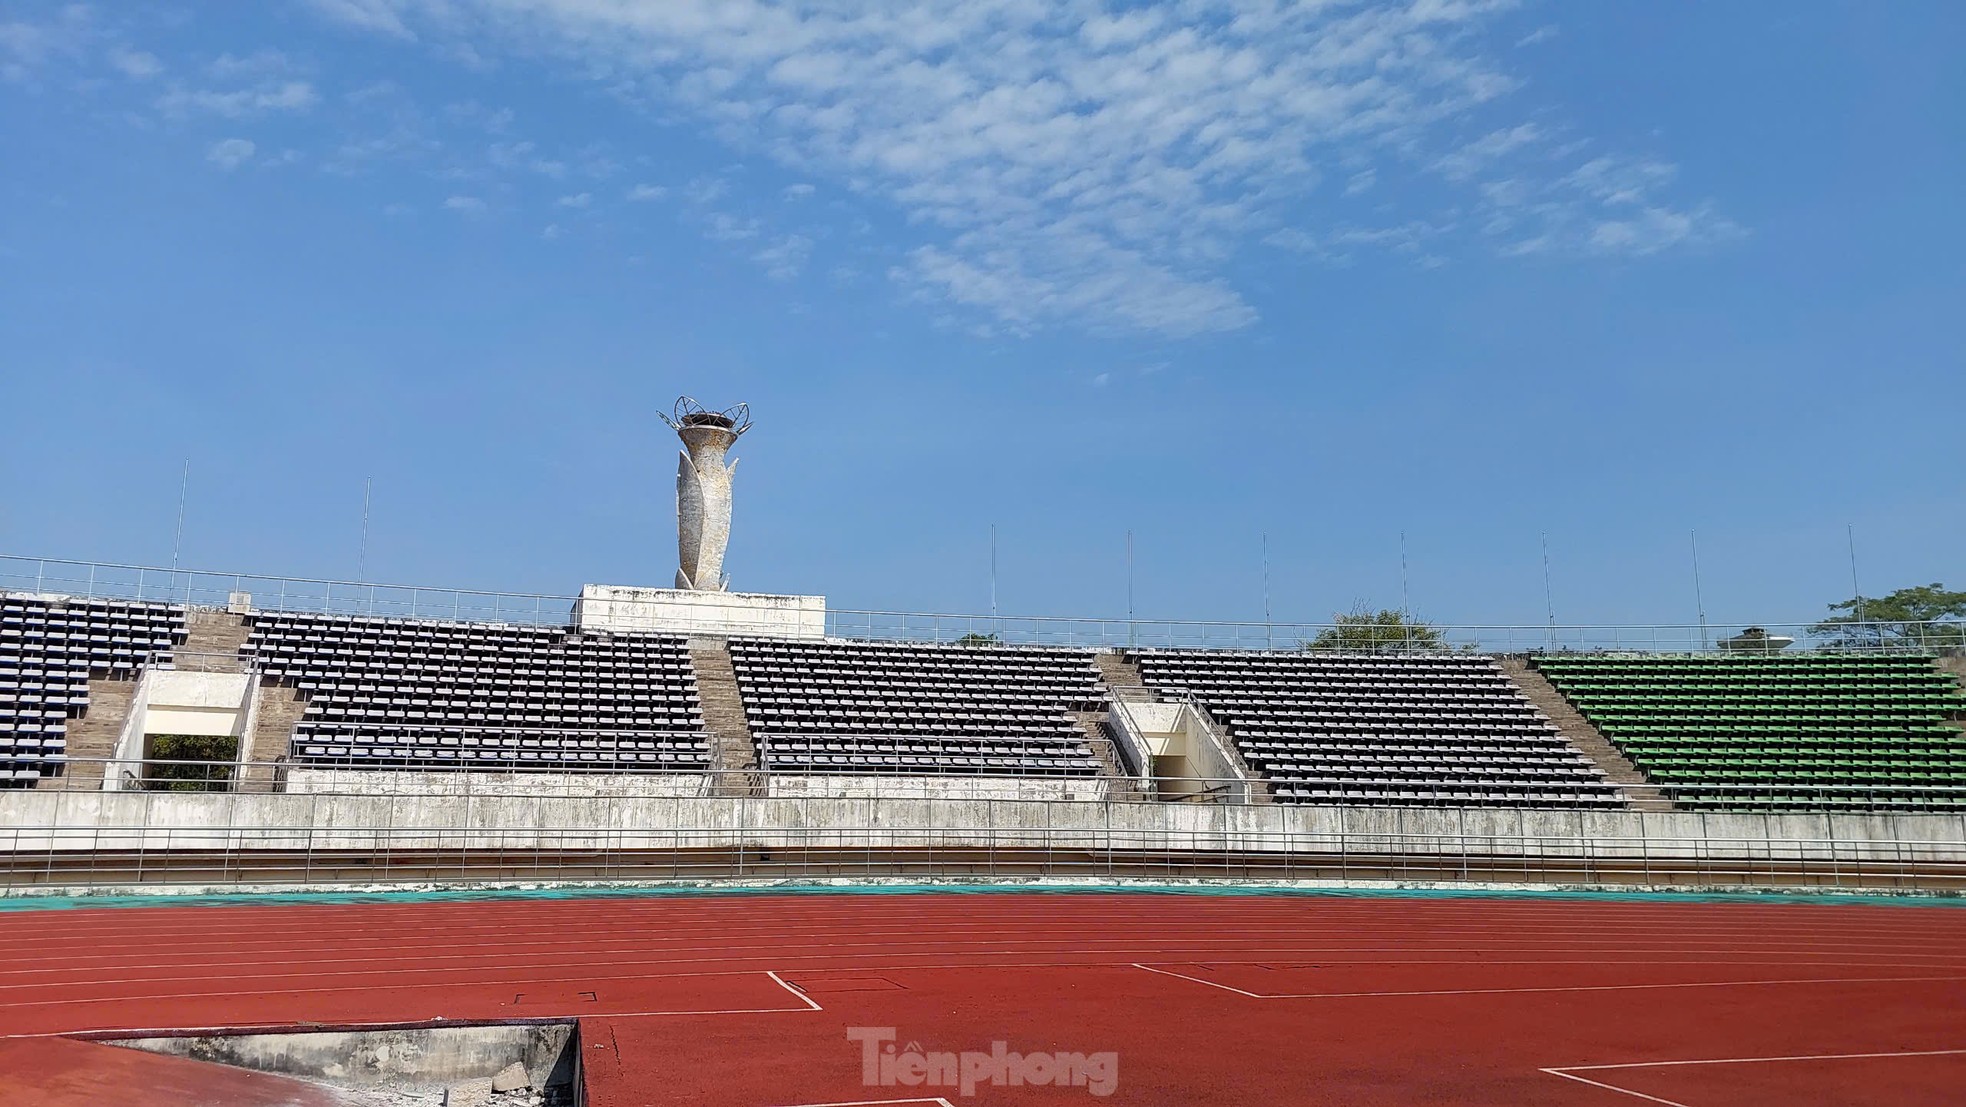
701	602
703	491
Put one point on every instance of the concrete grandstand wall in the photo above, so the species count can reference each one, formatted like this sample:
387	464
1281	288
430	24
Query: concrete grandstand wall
45	823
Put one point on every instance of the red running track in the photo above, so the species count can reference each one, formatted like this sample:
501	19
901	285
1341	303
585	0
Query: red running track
748	999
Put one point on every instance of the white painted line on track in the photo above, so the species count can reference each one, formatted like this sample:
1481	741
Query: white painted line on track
877	1102
1569	1072
1553	988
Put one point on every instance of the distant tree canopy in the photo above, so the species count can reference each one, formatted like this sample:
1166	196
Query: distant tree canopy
973	639
1925	617
193	762
1365	631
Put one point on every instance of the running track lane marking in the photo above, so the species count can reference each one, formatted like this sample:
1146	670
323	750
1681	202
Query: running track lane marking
1564	988
1569	1072
810	1005
875	1102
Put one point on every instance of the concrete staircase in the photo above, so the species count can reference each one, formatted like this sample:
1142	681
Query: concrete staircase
1119	782
1617	767
212	641
94	735
1126	684
736	753
1122	677
275	715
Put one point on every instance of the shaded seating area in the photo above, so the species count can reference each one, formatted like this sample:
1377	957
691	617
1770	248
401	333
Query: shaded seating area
891	707
1805	730
1378	729
407	693
49	651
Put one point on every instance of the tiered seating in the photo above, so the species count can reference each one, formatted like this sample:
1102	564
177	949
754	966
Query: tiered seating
1405	730
48	651
428	694
1803	720
866	707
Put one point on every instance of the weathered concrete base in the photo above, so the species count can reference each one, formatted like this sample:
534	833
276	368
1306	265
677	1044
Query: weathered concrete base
34	824
614	607
409	1058
408	782
933	787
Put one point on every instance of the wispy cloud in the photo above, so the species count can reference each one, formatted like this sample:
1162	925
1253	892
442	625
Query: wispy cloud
785	258
1092	165
1544	33
370	15
138	65
466	205
231	153
643	193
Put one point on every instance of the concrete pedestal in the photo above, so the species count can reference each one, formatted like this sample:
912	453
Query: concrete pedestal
678	611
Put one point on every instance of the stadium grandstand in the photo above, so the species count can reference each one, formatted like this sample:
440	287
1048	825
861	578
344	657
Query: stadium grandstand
1293	553
249	743
612	756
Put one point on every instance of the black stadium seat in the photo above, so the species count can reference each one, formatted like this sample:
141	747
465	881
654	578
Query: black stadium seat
49	651
921	708
1384	729
407	693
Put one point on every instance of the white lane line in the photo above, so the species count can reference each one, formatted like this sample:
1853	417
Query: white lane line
797	991
1553	988
1569	1072
876	1102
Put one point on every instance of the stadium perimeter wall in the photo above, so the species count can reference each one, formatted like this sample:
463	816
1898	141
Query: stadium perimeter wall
41	823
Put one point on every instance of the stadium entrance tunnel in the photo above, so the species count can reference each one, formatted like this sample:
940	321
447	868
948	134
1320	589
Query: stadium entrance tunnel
533	1064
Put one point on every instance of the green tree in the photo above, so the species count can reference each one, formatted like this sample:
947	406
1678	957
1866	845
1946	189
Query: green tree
974	639
1361	630
1926	617
199	762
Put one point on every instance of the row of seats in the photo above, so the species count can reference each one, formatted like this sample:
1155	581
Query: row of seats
1383	729
875	707
49	651
1797	728
394	692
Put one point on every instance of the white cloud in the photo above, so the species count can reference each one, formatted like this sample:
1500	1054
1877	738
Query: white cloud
722	226
576	200
27	47
798	191
1081	162
785	258
1541	34
229	154
369	15
643	193
1475	157
551	233
287	96
260	65
466	205
135	64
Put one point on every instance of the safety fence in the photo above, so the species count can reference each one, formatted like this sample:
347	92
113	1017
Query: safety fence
367	778
360	598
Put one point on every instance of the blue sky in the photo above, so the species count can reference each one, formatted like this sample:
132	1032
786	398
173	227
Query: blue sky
1206	271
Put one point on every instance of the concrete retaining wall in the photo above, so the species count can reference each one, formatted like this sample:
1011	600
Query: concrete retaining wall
452	782
935	787
36	822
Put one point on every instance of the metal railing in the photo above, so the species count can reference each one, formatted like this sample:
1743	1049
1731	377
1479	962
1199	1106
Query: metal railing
363	598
